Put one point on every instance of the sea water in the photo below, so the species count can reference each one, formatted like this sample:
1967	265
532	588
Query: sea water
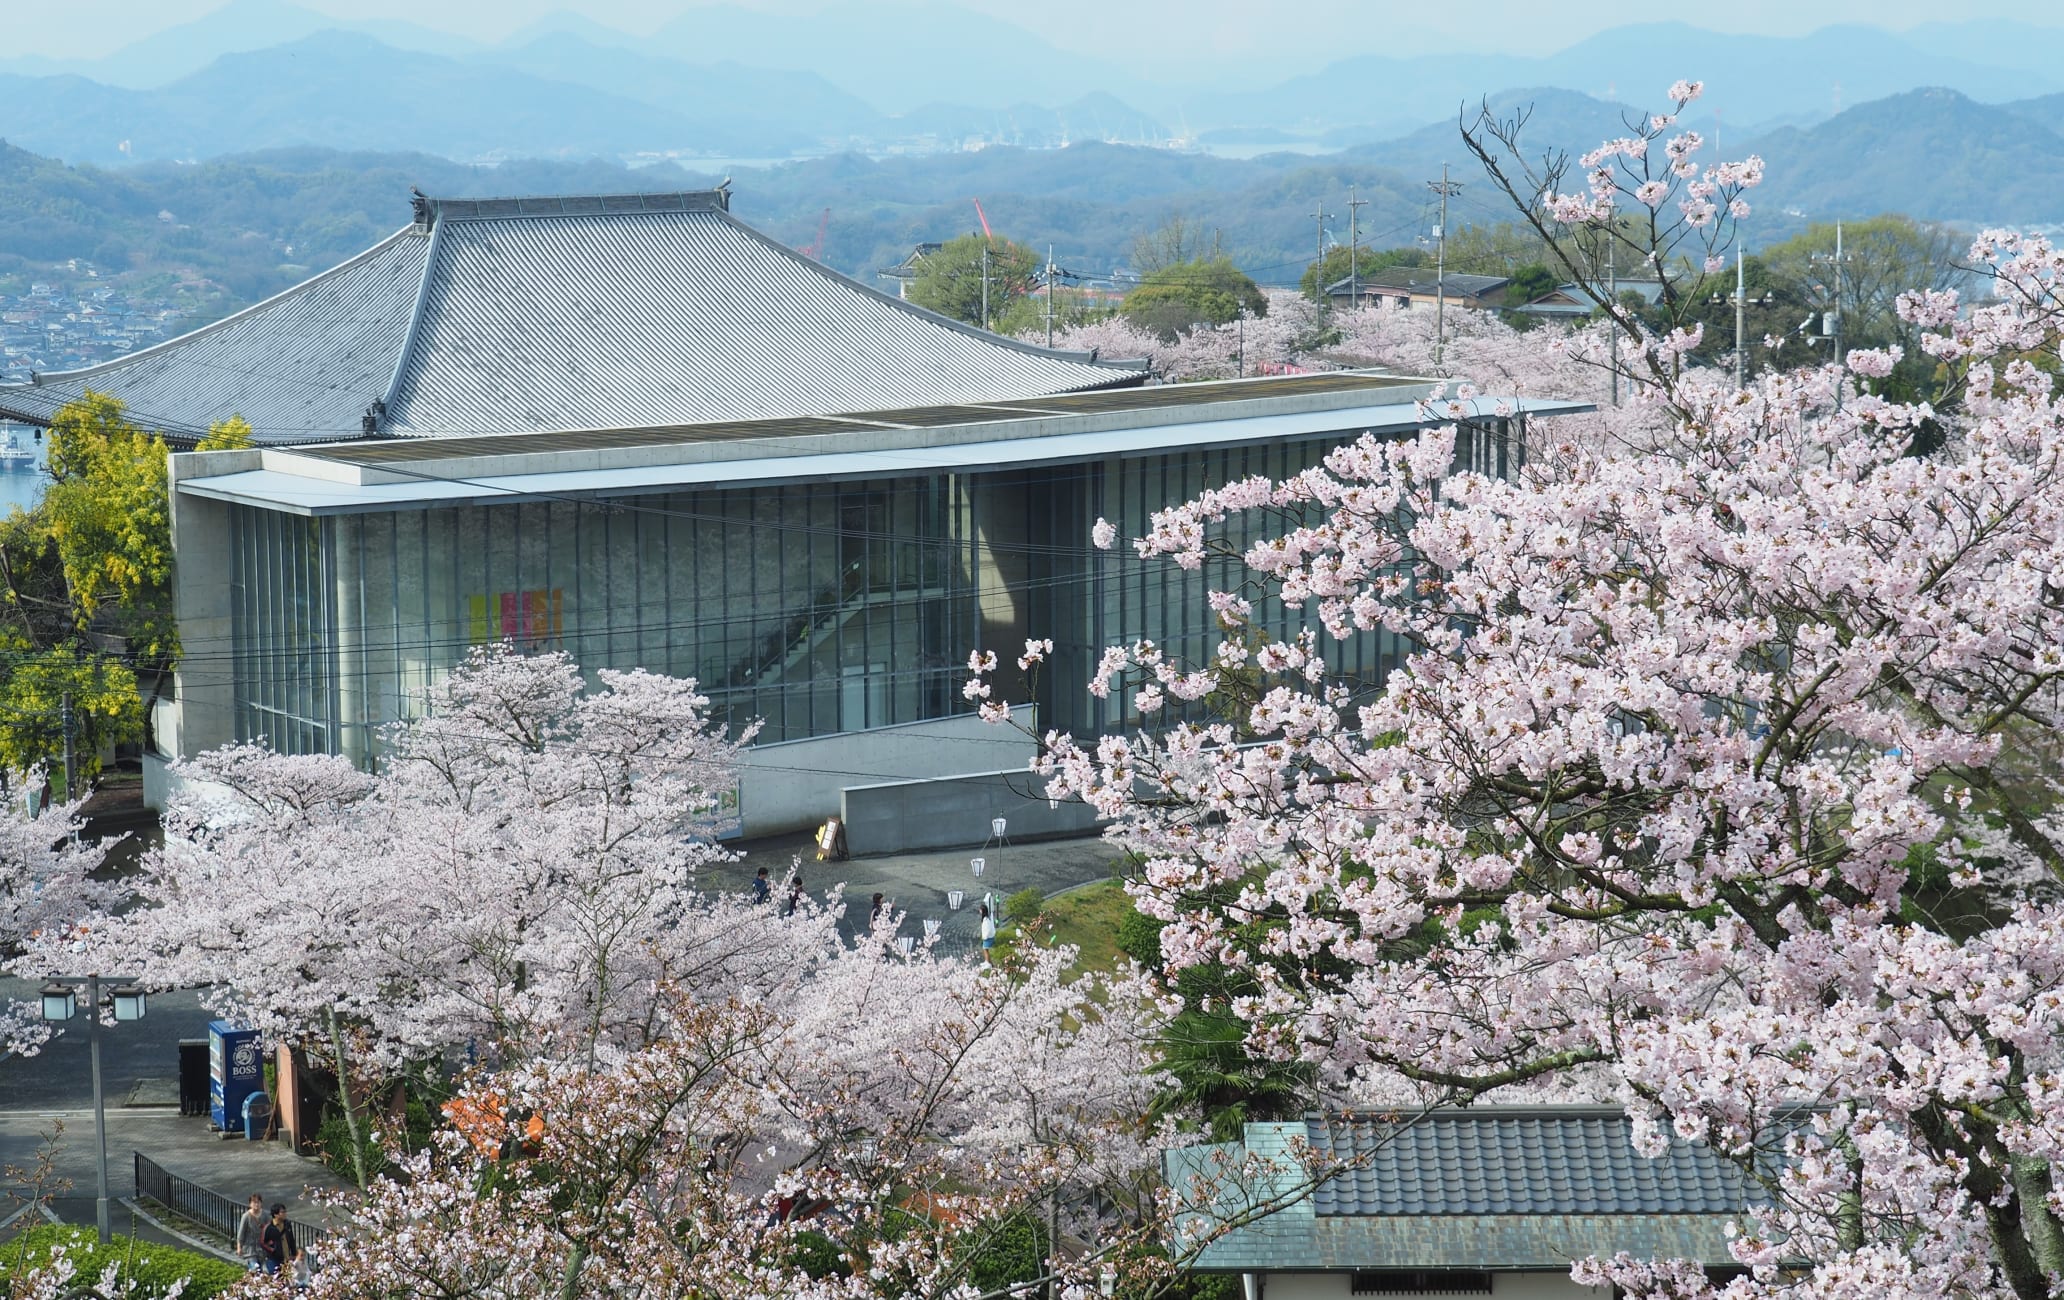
23	487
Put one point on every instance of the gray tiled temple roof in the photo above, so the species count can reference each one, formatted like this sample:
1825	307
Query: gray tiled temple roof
1485	1188
1508	1160
601	312
1422	279
298	364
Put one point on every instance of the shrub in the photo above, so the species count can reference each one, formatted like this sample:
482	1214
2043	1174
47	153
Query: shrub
1007	1253
1139	937
1024	907
152	1268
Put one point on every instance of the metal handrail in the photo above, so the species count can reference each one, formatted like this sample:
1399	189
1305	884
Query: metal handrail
155	1183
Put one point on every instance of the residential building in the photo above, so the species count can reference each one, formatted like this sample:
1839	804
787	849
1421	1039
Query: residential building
1413	286
904	273
1569	301
1493	1201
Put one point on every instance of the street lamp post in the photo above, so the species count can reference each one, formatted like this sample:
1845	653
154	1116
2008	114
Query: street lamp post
60	1000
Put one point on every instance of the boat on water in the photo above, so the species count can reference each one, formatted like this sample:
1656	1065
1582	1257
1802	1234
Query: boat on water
16	455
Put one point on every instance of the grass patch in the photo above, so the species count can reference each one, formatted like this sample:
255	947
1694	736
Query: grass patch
153	1268
1087	918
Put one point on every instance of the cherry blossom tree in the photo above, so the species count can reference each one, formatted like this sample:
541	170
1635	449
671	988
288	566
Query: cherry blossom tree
510	885
46	882
1286	337
860	1137
1720	776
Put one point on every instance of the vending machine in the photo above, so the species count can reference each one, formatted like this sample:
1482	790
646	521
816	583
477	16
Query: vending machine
236	1069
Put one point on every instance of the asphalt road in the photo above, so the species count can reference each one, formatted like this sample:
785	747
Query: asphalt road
60	1076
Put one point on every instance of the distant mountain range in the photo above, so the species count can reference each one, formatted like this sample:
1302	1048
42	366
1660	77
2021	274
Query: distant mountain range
726	82
555	95
253	223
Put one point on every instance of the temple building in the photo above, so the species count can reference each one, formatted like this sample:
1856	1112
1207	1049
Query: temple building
634	429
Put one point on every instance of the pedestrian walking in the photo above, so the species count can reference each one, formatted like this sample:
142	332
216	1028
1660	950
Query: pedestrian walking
248	1229
762	888
276	1248
988	931
874	912
795	894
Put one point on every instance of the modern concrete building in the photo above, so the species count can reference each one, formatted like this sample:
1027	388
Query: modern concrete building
633	429
1492	1201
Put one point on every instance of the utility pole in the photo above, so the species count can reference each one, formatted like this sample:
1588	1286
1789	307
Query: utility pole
1319	214
1049	294
1612	320
1834	317
1741	307
985	286
1836	329
1443	187
71	738
1354	241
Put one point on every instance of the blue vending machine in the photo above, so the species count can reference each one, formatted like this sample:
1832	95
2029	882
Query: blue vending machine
236	1069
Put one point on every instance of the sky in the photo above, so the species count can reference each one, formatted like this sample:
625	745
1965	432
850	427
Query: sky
1170	29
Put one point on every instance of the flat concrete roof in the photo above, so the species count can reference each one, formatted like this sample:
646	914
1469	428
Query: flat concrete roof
420	473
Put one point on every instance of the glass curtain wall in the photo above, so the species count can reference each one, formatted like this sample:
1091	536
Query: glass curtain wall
1086	599
820	608
283	625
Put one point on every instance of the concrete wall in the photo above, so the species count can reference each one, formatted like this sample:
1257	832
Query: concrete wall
1504	1286
906	816
201	716
162	784
796	784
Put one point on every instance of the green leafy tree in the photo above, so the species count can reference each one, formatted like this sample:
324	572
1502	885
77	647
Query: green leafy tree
1333	268
106	707
108	514
1204	1049
1178	298
1499	249
86	588
1528	283
951	281
1882	257
1174	242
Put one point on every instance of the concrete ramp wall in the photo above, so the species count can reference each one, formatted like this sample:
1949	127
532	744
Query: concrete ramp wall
907	816
795	784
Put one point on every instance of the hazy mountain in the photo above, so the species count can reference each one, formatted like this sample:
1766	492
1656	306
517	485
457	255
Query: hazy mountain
899	56
1093	117
2046	111
563	22
1749	79
239	27
253	224
351	92
1933	154
1558	119
556	95
750	109
2004	44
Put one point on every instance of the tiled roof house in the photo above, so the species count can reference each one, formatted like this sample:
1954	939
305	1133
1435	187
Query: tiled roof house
1492	1201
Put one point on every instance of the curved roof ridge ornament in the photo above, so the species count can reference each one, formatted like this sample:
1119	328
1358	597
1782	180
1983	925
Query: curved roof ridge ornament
426	212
